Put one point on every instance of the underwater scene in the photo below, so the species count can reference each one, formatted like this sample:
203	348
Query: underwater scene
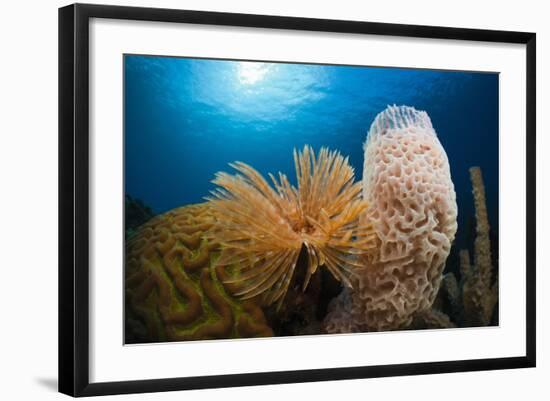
267	199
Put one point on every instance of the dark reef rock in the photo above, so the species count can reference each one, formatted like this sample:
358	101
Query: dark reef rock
136	213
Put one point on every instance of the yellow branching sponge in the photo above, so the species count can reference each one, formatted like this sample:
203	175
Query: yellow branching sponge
412	206
174	293
474	298
262	229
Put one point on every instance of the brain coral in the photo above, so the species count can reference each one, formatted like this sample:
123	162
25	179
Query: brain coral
173	292
407	184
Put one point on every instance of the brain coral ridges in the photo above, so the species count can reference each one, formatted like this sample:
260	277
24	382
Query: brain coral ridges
173	291
412	207
262	229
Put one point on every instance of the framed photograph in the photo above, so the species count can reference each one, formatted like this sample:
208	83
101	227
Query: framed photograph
251	199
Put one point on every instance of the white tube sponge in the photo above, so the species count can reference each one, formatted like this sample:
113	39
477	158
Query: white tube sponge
412	205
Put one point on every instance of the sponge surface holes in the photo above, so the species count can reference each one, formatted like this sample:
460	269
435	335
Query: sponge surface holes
407	183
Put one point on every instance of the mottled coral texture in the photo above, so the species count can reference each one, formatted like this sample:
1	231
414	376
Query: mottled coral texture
173	292
412	206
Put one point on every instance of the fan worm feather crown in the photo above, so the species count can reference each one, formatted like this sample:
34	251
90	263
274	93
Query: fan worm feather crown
262	228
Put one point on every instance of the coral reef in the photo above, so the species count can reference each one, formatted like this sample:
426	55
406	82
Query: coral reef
412	206
262	230
173	292
244	263
474	297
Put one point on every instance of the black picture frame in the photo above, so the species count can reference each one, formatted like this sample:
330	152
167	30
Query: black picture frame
74	198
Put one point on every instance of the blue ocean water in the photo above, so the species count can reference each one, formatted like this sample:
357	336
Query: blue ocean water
185	119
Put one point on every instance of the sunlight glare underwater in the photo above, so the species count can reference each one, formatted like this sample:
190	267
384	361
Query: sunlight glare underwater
250	73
